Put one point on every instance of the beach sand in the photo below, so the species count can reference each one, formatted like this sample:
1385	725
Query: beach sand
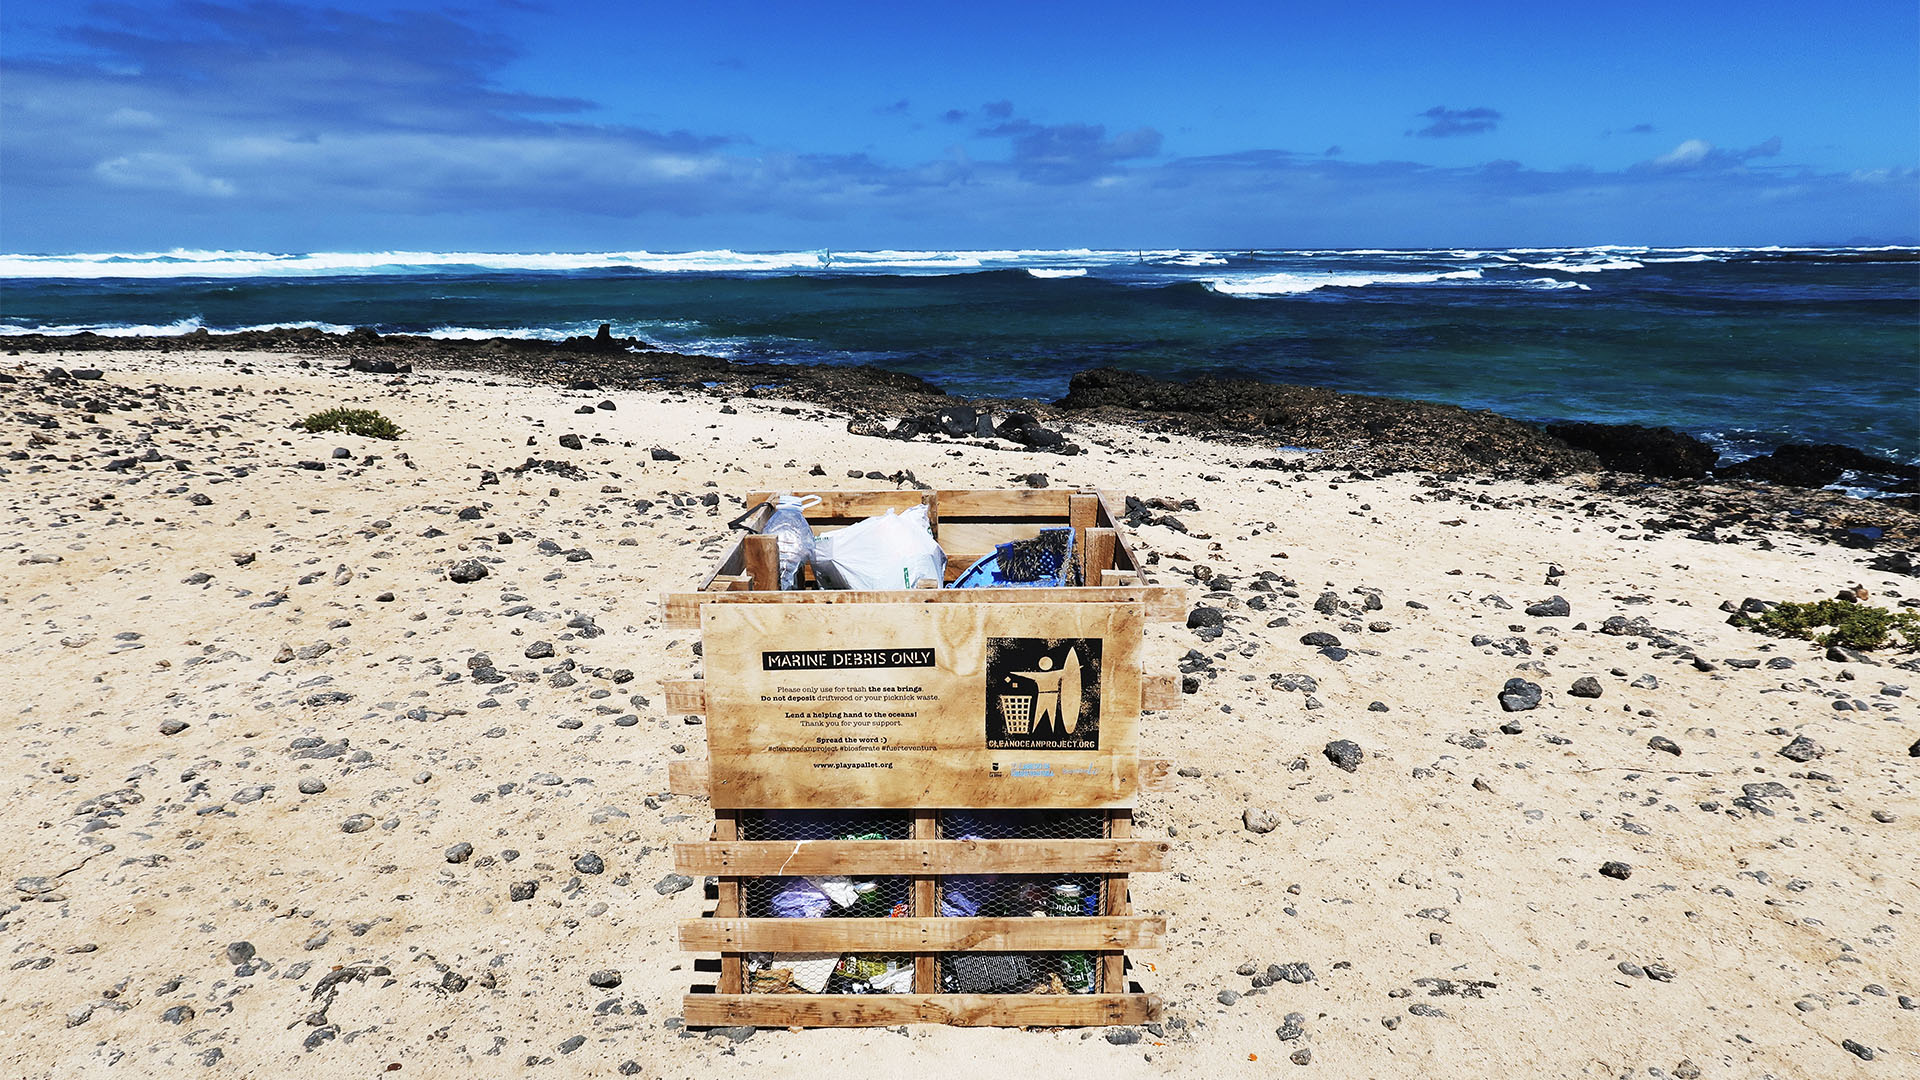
173	902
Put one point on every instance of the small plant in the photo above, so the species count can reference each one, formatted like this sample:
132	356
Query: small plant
1852	625
365	422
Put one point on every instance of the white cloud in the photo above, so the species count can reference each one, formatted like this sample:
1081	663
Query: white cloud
1689	153
161	172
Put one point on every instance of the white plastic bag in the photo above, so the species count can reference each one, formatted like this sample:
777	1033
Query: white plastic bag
888	551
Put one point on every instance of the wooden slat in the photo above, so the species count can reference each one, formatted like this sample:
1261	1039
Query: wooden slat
1119	579
729	564
1163	603
1006	503
690	777
1113	965
926	902
1100	551
1025	934
762	561
1083	512
1123	558
784	858
690	696
733	975
1160	692
848	504
889	1010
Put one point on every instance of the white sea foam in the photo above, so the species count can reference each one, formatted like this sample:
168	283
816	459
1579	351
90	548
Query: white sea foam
1285	284
1586	267
178	328
1057	272
184	263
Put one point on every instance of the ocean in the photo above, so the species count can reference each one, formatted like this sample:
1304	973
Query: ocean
1744	348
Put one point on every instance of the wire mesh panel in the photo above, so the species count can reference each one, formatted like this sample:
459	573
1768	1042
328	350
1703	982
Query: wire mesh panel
1021	895
827	896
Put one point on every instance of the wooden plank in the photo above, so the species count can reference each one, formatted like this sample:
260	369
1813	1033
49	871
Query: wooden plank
931	500
890	1010
1159	692
1100	549
1024	934
846	505
926	903
1123	557
1163	603
914	705
729	563
784	858
762	561
1119	579
1083	512
1113	965
690	777
687	778
733	975
1006	503
685	695
982	536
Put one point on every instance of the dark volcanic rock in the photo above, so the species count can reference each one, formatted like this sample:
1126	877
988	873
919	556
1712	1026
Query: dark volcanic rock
1345	754
1816	465
1440	435
1802	749
1585	686
467	571
1618	871
1661	452
1519	695
1552	608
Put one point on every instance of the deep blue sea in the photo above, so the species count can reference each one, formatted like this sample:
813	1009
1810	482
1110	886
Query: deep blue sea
1746	348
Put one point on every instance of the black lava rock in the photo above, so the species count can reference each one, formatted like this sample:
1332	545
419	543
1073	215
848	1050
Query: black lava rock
1585	686
1519	695
1814	466
1664	745
571	441
590	863
1618	871
1319	638
1555	607
522	890
1648	451
467	571
605	979
1345	754
1204	616
1801	749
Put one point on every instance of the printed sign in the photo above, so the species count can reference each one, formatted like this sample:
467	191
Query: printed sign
922	704
1043	693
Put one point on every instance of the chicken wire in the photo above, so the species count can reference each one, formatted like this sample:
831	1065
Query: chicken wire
1022	895
835	896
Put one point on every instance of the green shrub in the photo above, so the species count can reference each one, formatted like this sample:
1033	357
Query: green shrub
354	422
1853	625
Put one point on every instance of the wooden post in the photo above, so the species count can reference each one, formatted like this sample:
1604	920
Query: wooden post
1083	512
926	904
1100	547
726	826
763	562
1113	965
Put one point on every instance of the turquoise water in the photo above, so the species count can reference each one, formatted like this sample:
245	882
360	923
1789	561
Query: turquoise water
1747	349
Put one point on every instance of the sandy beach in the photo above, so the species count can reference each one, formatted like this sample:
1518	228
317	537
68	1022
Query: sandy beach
244	745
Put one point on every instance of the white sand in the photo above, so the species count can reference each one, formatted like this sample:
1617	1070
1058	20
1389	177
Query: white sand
1432	865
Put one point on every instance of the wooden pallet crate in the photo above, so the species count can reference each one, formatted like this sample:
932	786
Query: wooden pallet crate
928	705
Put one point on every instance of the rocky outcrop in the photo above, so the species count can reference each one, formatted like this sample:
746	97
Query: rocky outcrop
1818	465
1649	451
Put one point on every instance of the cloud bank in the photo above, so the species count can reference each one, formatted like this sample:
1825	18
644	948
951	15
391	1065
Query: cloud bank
270	125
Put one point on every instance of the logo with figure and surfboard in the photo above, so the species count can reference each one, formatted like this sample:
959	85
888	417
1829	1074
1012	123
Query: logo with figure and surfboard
1043	693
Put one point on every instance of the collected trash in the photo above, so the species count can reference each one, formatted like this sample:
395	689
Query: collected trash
830	896
1045	561
788	525
886	551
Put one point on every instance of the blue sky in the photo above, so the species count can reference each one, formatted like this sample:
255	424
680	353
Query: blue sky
519	126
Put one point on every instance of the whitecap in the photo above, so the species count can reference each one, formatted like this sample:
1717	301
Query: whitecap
1285	284
1057	272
